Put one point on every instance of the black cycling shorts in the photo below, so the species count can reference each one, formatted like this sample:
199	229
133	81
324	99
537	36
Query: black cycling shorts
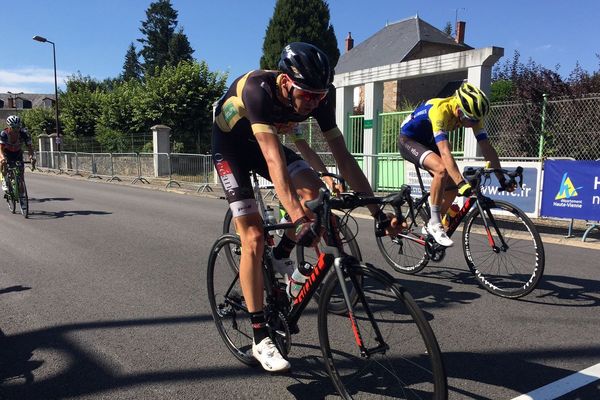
415	151
234	156
13	157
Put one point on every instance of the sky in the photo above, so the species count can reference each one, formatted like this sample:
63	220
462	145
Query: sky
92	36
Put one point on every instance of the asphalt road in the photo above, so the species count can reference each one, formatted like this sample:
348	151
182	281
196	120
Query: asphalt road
102	296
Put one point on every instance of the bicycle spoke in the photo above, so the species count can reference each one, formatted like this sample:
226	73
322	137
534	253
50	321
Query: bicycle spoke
515	264
405	369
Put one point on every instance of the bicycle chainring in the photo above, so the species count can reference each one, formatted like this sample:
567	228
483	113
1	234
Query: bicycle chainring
434	250
279	330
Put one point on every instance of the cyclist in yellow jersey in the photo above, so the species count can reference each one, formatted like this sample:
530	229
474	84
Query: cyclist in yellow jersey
423	140
246	137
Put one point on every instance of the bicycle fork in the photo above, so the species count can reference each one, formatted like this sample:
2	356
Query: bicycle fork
364	352
486	224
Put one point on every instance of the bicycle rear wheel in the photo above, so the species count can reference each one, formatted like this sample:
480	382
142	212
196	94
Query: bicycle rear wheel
408	364
226	300
514	266
406	252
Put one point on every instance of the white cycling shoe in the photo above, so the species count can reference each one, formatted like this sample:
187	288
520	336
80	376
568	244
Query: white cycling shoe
438	233
285	267
269	357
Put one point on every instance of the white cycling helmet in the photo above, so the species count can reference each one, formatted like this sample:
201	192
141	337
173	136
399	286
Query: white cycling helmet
13	121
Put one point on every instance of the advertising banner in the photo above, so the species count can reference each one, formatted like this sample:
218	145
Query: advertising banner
571	189
526	198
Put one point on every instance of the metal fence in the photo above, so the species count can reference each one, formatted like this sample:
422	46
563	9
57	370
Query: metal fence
168	169
562	127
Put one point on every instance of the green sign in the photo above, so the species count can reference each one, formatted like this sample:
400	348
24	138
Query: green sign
368	124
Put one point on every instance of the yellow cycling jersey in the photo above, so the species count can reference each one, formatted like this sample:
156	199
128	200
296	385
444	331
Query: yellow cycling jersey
435	119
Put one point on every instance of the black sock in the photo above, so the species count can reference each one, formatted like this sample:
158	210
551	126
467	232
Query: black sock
284	248
259	326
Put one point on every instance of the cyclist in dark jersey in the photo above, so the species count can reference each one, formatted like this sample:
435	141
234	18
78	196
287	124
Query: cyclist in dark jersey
248	120
11	140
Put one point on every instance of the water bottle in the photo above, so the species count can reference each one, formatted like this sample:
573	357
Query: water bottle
298	278
450	214
270	216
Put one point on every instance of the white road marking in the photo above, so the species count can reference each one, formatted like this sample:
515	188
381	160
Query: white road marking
564	385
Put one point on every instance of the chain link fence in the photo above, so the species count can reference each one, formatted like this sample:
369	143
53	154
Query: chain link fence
561	127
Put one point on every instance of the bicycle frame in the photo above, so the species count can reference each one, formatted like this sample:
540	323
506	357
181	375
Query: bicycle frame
477	200
13	172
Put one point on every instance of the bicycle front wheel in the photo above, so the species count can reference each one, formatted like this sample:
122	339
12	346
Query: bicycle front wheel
226	300
10	197
401	357
405	252
508	258
310	255
23	198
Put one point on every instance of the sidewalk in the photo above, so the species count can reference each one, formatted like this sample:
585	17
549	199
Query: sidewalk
551	231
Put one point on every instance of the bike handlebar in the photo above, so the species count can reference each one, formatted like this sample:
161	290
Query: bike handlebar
325	202
339	178
474	175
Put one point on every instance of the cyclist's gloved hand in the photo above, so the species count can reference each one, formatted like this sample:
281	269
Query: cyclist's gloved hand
464	189
382	222
508	186
306	232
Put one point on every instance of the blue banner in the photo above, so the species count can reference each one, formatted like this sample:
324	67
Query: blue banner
524	198
571	189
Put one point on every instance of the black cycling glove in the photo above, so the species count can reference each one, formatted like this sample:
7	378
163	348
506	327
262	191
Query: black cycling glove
382	222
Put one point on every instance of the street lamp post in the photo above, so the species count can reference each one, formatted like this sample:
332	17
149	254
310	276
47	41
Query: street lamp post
44	40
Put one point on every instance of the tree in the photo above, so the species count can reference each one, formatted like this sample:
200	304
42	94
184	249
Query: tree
39	120
299	21
132	69
448	28
161	45
179	48
181	97
80	105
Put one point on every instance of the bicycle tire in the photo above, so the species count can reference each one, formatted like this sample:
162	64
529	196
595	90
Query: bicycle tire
337	304
412	350
23	199
402	252
226	300
9	195
495	271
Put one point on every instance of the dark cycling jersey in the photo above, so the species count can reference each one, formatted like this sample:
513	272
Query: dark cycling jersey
251	106
12	143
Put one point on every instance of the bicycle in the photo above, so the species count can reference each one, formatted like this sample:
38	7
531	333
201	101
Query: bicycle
17	190
361	358
501	245
347	237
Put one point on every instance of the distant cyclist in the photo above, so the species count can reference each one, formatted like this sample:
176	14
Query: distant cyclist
257	108
423	140
11	140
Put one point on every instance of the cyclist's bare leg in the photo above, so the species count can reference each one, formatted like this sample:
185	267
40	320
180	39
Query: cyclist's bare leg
250	229
434	164
449	196
307	185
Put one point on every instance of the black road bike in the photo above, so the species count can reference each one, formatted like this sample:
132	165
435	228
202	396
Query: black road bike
501	245
381	346
303	255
